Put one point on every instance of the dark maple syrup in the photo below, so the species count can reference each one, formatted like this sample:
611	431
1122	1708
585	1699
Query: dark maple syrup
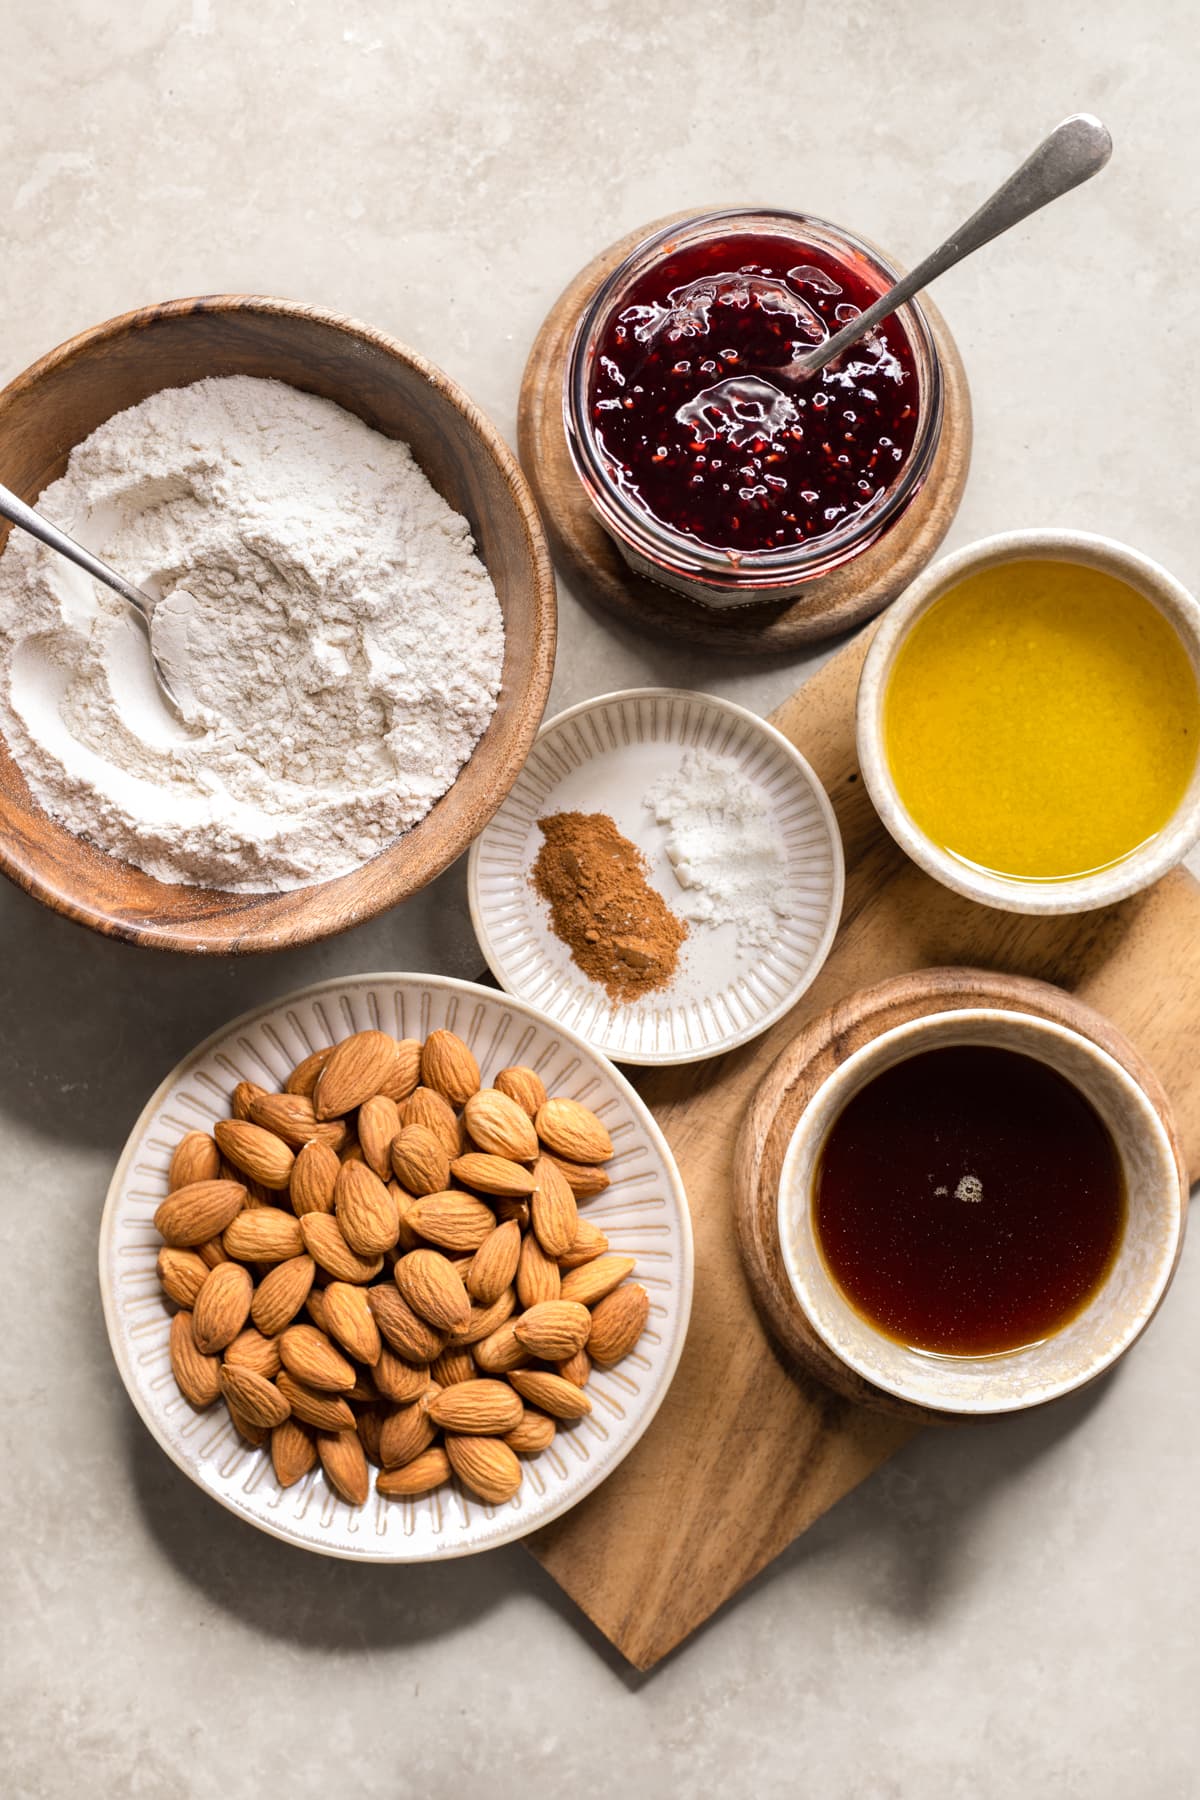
701	432
969	1200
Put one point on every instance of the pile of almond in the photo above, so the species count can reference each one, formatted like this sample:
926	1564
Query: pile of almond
386	1264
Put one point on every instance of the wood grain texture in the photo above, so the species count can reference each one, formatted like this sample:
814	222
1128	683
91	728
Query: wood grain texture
820	1047
829	604
747	1451
65	396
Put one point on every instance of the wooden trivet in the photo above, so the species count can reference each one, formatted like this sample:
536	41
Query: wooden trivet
821	1047
595	567
746	1453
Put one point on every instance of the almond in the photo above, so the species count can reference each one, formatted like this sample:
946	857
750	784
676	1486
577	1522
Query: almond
291	1117
405	1434
576	1369
508	1208
407	1333
486	1465
538	1278
349	1319
501	1351
617	1323
369	1425
405	1072
454	1365
281	1293
477	1408
523	1086
491	1174
549	1393
199	1211
303	1079
211	1253
554	1330
572	1131
552	1209
534	1433
293	1453
328	1412
433	1288
254	1434
196	1158
222	1307
345	1465
591	1281
365	1210
364	1389
419	1160
314	1174
358	1067
251	1350
495	1263
255	1152
314	1306
584	1180
259	1399
497	1124
420	1476
310	1356
453	1220
410	1237
181	1274
325	1243
485	1320
399	1381
378	1124
243	1097
264	1234
590	1242
425	1107
198	1377
448	1067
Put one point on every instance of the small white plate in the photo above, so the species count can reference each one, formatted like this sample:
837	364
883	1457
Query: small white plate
604	756
643	1213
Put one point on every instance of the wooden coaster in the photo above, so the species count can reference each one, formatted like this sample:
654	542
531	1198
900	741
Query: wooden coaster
595	567
821	1047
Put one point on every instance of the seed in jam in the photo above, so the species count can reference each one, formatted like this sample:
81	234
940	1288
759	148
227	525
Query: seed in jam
701	432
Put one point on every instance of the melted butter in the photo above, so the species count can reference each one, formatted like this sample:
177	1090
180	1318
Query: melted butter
1042	721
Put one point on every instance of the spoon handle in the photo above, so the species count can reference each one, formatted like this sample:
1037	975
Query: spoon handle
1074	152
38	526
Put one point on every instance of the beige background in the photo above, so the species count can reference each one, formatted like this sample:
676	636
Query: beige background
1008	1612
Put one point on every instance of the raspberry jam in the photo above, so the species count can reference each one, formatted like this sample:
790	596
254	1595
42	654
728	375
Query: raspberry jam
702	433
712	468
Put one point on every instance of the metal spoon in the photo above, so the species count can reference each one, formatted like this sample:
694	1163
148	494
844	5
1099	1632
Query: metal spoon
141	604
1074	152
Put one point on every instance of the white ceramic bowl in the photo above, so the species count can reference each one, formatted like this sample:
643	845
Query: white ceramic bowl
643	1213
1134	872
603	756
1118	1313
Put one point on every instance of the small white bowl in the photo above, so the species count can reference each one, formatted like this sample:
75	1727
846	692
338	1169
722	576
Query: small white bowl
1136	871
604	756
1156	1202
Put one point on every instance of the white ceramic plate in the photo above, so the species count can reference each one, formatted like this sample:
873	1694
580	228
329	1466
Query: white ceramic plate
644	1214
604	756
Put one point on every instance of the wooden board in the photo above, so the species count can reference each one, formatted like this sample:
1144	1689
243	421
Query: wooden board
746	1453
794	1077
829	604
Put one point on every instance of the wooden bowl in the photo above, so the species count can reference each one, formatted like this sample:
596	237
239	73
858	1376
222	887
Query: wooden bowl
65	396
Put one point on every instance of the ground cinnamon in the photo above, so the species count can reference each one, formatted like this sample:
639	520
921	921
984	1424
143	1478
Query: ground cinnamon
620	930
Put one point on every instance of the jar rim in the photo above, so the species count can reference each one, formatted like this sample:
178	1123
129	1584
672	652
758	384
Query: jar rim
675	551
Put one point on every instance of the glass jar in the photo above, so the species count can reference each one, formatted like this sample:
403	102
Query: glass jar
750	486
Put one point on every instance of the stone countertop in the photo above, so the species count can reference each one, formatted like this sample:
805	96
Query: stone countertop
999	1613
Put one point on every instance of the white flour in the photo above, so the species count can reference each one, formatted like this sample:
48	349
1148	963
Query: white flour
724	847
341	638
